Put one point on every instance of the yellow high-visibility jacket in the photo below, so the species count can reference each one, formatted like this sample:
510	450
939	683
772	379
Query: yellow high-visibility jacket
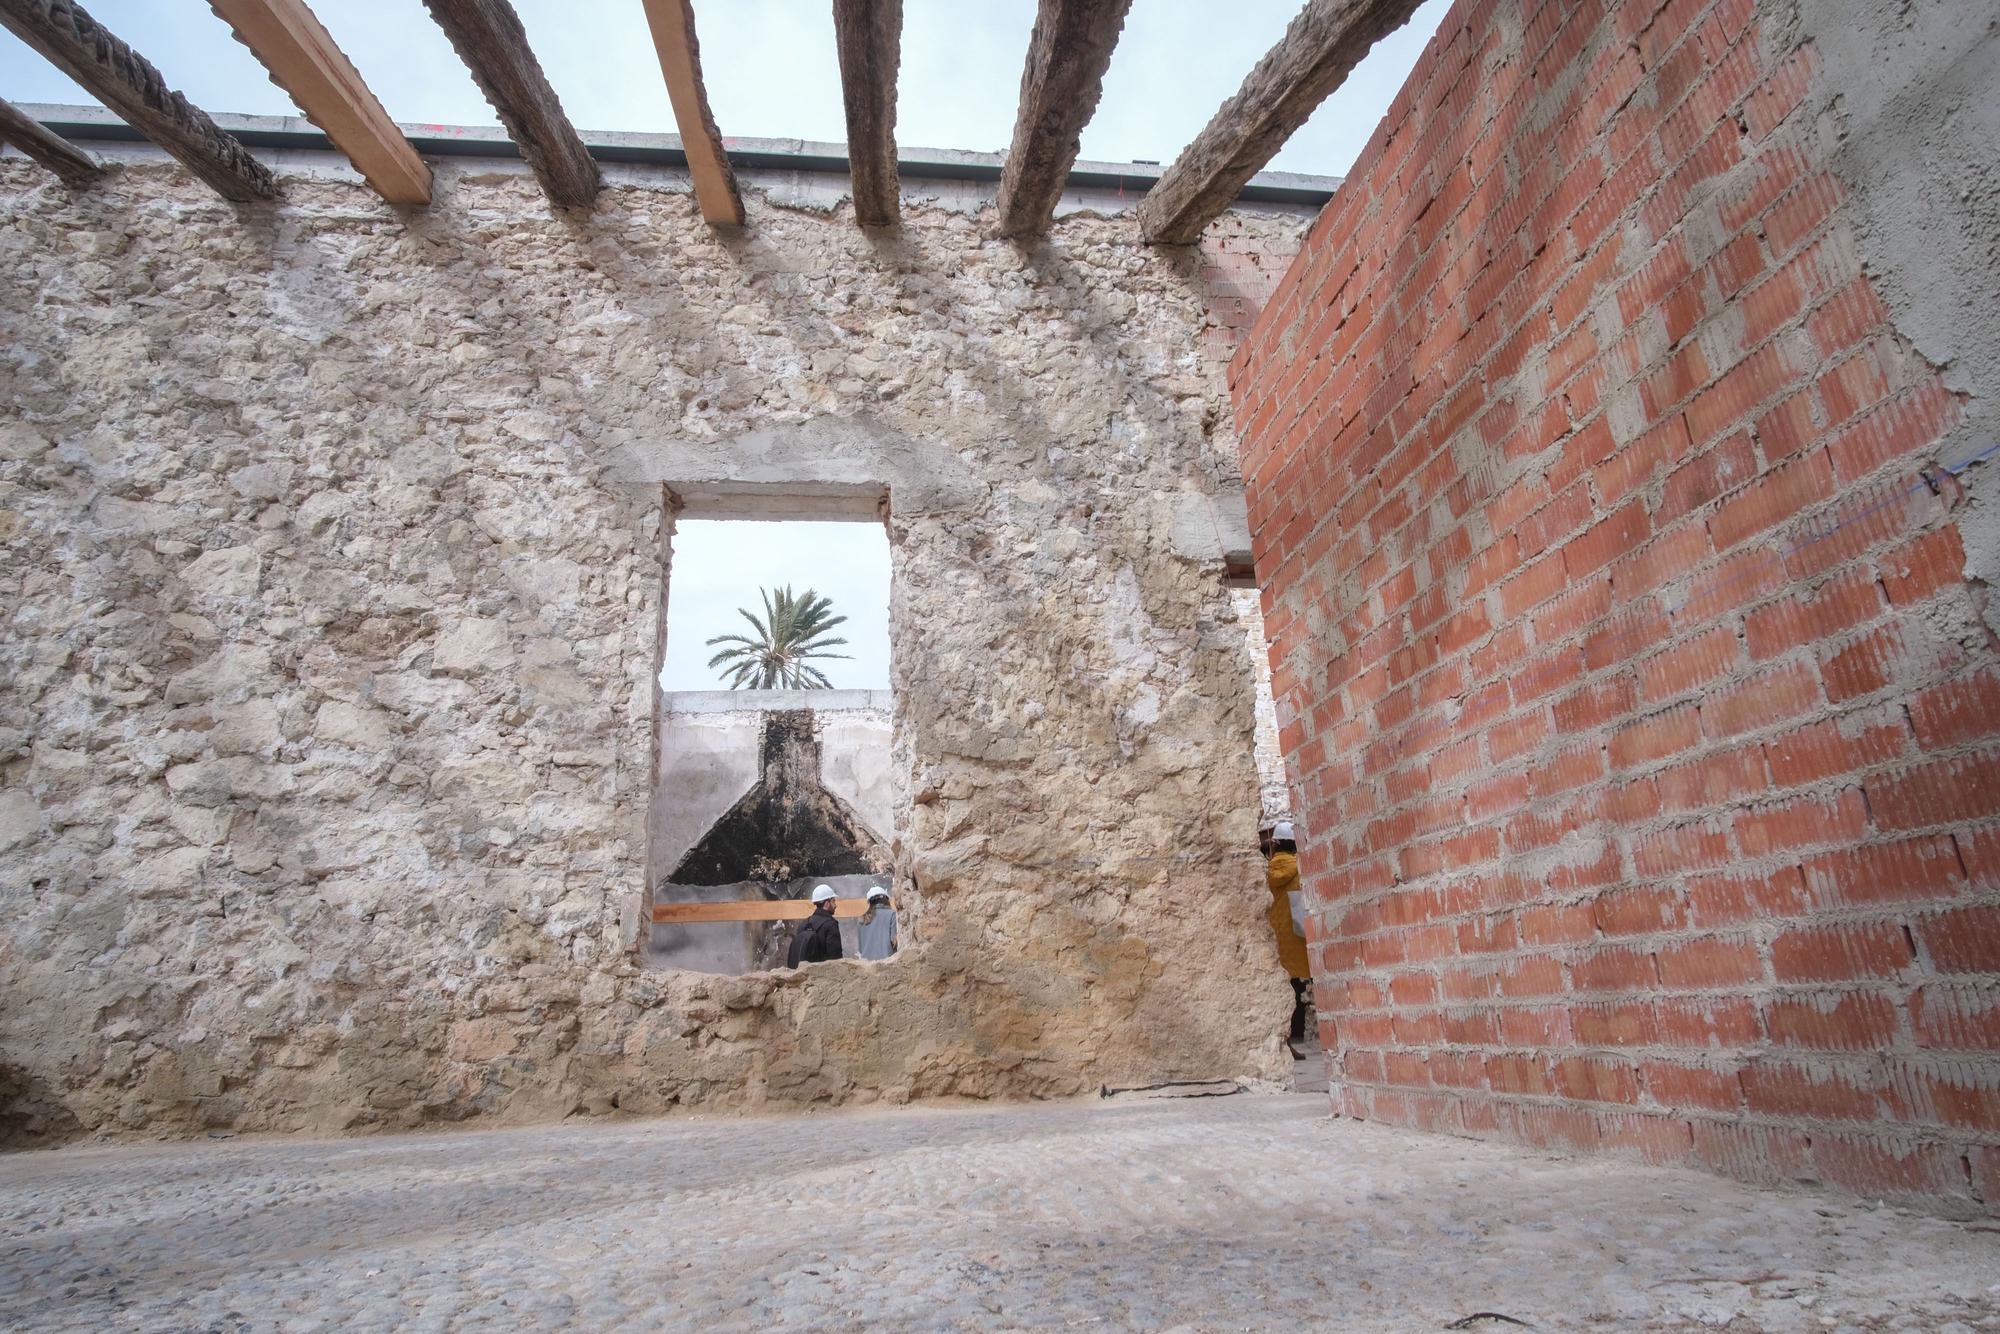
1283	877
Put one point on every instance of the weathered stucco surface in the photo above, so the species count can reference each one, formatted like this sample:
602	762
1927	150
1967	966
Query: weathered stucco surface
331	594
1274	791
1907	114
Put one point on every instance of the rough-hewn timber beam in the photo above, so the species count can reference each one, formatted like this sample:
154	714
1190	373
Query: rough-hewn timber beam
672	22
304	60
1323	44
126	82
51	150
1068	53
869	35
489	38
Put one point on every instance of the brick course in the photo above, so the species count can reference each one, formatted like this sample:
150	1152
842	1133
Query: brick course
1638	715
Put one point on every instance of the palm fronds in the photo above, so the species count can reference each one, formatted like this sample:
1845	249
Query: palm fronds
792	630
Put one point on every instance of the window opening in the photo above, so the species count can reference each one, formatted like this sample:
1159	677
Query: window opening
774	770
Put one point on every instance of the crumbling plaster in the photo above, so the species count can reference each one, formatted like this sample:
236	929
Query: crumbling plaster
1274	789
330	608
1908	111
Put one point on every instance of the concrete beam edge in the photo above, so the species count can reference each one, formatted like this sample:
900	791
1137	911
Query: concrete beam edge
87	123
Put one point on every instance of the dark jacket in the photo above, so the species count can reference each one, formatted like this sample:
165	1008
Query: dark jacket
816	940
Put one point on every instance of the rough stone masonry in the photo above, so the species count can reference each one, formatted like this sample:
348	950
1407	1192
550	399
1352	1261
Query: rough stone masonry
332	595
1622	474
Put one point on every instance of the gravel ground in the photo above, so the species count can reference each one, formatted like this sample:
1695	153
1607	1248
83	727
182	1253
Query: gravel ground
1217	1213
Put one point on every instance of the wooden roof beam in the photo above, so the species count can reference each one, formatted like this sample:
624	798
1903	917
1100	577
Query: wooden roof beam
1318	51
51	150
672	22
126	81
489	38
1068	53
303	59
869	35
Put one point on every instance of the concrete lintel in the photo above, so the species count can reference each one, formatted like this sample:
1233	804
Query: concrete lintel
828	467
837	501
1210	528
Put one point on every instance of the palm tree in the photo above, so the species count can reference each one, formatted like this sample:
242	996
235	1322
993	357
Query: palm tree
792	630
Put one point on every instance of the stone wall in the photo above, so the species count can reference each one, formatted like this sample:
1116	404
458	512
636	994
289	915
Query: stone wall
331	602
1621	479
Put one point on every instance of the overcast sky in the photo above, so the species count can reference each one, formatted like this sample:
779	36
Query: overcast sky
771	71
720	566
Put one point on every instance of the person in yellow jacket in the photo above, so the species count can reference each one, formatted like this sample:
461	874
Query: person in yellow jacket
1281	873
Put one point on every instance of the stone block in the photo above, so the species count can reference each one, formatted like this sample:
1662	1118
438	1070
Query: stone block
20	819
472	646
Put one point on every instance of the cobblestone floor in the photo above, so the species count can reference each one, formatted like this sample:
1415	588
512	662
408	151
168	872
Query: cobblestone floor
1222	1213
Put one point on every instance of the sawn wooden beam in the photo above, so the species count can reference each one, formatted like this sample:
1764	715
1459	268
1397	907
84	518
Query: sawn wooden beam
303	59
672	22
751	910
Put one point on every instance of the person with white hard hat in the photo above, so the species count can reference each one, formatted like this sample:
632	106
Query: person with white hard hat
1281	874
875	933
818	937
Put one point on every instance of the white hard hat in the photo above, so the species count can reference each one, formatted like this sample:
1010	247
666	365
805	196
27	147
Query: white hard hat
877	892
821	893
1282	831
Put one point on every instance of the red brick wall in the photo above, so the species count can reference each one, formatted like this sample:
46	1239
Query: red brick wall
1641	721
1237	269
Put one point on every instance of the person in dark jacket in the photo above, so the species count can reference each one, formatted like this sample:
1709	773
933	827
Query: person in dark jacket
818	937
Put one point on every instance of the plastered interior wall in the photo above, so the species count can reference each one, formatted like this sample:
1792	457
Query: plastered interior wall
330	611
1275	793
709	757
1618	451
